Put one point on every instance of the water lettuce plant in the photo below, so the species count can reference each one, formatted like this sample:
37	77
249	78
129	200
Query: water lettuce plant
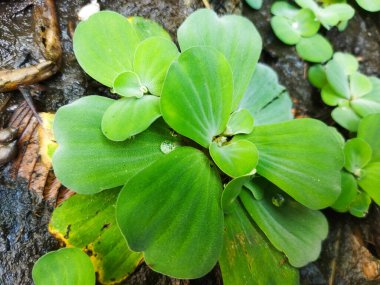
354	94
360	177
210	164
369	5
300	26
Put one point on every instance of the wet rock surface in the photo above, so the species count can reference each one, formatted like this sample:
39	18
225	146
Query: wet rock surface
352	243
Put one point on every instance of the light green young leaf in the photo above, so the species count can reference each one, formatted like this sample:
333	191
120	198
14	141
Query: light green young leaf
152	60
284	9
248	258
284	30
234	36
360	85
369	130
127	117
370	181
333	14
128	84
357	153
236	158
104	46
231	192
89	222
86	161
346	117
359	207
265	97
177	220
146	28
369	103
337	78
369	5
240	122
197	94
314	49
291	228
347	61
302	157
255	4
330	97
348	194
66	266
317	76
305	23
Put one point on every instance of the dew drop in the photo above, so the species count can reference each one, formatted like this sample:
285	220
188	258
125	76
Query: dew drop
167	146
278	200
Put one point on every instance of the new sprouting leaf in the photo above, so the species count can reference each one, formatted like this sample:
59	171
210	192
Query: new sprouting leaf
248	258
284	30
127	117
370	181
66	266
89	222
369	130
146	28
171	211
197	94
292	228
302	157
357	155
152	60
265	98
235	158
231	192
348	194
305	23
128	84
346	117
314	49
369	5
284	9
360	85
240	122
230	35
104	46
86	161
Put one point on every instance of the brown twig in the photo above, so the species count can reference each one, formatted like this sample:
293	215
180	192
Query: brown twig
207	4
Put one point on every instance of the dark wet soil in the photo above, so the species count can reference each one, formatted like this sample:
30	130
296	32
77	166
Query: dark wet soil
24	218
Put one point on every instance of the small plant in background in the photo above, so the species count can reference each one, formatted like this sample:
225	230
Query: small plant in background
361	174
354	94
300	26
225	175
255	4
369	5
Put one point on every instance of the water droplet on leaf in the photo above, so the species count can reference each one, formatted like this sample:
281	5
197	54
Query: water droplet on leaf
168	146
278	200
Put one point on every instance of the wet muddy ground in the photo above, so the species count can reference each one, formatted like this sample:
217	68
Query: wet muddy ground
351	251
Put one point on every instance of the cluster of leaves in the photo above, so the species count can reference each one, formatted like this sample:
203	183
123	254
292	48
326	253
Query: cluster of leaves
361	174
176	209
300	26
354	94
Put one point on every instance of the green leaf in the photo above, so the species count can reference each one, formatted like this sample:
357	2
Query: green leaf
255	4
86	161
197	94
370	181
146	28
347	61
369	5
306	24
359	207
282	8
248	258
284	30
152	60
346	117
265	98
369	130
314	49
127	117
66	266
338	79
348	194
104	46
89	222
176	221
360	85
128	84
231	192
330	97
291	228
369	103
335	13
240	122
317	76
302	157
242	49
357	153
236	158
